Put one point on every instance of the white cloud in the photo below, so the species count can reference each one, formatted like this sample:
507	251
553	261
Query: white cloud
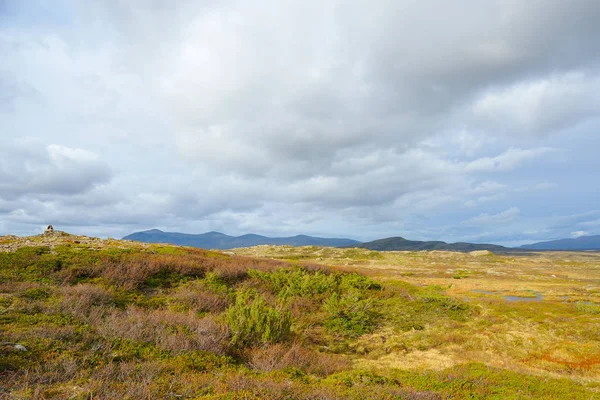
510	159
542	106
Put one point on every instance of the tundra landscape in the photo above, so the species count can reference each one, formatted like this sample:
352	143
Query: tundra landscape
299	199
86	318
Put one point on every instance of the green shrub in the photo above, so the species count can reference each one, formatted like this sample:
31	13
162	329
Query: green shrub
214	282
252	321
299	282
413	308
203	295
39	293
303	283
350	314
357	281
460	274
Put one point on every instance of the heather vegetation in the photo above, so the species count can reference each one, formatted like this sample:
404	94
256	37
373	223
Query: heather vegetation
114	320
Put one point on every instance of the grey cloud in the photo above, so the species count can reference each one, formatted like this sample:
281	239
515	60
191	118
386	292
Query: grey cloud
53	170
360	74
378	91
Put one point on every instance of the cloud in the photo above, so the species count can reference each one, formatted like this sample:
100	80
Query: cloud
543	106
506	161
27	170
578	234
575	220
299	116
310	96
500	218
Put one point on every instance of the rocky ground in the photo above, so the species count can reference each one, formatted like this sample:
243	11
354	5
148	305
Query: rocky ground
11	243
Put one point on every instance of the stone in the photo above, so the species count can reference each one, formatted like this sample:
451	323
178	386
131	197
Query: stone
20	347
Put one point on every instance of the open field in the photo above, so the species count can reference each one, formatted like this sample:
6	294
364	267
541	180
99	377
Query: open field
537	313
116	319
566	277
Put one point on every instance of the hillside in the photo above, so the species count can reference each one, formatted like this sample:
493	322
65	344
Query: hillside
580	243
217	240
401	244
86	318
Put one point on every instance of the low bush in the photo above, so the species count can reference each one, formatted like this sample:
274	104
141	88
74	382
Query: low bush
78	300
417	308
37	293
361	282
350	314
252	321
282	356
299	282
201	297
168	330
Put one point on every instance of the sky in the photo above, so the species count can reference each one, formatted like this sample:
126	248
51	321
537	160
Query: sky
468	120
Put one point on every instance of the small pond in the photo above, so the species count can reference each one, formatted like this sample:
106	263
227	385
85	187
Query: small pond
538	297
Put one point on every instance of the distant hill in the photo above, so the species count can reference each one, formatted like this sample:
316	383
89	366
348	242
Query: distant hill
217	240
401	244
580	243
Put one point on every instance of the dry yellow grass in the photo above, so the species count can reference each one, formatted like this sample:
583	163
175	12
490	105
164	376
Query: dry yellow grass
542	333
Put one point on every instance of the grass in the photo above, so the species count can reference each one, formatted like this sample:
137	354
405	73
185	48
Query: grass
554	334
113	319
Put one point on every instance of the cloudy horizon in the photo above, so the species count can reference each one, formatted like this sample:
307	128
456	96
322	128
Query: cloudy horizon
472	121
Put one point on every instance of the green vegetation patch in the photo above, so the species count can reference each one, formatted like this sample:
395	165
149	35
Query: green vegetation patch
414	308
351	313
587	307
253	322
348	301
477	381
298	282
168	322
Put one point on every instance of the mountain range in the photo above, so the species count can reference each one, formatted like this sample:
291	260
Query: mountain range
218	240
580	243
401	244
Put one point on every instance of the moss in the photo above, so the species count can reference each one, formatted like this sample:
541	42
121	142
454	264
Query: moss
201	361
36	293
126	350
477	381
357	378
587	307
412	308
164	279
